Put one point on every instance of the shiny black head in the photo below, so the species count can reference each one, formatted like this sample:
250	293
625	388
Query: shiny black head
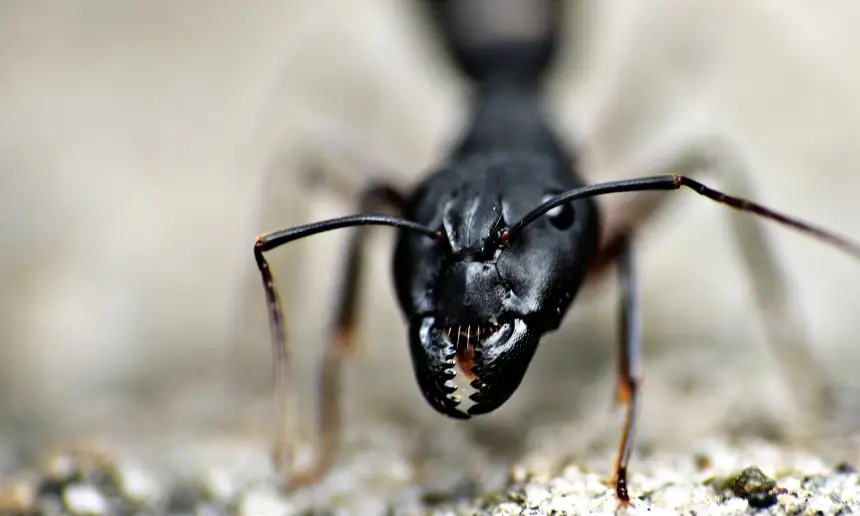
475	300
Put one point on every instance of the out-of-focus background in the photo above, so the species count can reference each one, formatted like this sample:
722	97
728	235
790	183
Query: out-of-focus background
143	146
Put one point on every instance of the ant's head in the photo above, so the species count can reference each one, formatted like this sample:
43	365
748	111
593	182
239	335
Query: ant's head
480	297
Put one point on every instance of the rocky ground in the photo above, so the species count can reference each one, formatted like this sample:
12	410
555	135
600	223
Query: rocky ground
379	476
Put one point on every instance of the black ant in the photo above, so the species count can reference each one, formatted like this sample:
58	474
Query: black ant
494	245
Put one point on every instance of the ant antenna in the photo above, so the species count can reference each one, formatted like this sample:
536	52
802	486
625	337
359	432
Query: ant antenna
284	395
675	182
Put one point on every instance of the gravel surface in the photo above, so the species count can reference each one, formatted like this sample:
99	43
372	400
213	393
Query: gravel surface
234	478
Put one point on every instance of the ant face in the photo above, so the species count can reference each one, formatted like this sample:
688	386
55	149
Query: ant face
478	305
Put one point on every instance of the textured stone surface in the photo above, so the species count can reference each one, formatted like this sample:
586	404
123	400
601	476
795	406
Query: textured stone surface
714	478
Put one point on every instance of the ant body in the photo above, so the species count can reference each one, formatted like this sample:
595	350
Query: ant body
493	246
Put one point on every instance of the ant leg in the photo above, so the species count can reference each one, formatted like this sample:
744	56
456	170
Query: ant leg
780	315
343	167
343	339
629	346
690	149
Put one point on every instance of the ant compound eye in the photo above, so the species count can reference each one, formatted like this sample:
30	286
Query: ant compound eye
560	216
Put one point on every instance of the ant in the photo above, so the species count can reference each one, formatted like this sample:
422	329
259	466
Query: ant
494	245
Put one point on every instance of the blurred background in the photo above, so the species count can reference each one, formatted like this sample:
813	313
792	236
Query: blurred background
143	146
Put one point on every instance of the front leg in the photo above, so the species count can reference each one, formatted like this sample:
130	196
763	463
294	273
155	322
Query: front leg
781	316
690	149
344	337
629	351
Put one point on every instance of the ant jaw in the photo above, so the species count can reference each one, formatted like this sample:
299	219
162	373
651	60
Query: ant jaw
468	341
501	364
492	361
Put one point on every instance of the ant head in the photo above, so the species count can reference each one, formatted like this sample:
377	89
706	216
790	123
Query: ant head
479	299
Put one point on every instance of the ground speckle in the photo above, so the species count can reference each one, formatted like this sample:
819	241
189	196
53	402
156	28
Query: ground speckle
737	479
756	488
85	500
